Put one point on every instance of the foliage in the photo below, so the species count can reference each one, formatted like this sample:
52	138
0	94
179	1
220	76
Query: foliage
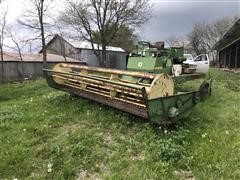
47	134
124	38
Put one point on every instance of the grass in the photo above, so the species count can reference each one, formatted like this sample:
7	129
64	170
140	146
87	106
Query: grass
46	134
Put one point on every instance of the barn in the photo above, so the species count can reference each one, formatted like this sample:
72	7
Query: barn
229	48
82	50
30	67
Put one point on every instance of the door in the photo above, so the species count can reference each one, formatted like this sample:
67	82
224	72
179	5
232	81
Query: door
202	62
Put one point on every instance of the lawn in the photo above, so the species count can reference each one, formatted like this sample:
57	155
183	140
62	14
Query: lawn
46	134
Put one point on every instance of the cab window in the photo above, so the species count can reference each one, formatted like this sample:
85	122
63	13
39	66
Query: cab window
201	58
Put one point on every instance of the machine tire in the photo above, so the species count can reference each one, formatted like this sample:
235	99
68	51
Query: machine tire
204	90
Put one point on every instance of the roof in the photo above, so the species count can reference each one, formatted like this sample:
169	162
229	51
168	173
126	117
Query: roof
83	44
88	45
230	37
10	56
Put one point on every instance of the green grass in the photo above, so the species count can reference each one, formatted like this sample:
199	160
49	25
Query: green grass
46	134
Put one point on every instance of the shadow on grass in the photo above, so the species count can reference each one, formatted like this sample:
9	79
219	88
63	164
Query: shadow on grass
112	116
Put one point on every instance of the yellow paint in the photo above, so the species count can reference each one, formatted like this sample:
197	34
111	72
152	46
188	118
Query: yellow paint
162	86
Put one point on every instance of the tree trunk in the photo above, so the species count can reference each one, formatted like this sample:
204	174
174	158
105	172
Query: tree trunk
22	66
43	48
104	56
213	56
2	64
43	36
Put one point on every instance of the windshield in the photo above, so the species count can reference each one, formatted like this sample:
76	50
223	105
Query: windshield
188	56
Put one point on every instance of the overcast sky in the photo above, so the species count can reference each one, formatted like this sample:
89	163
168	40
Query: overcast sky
170	17
176	17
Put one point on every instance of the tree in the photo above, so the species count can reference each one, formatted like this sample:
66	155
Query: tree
196	38
204	37
173	41
220	27
106	17
18	44
124	38
215	32
3	15
60	33
34	19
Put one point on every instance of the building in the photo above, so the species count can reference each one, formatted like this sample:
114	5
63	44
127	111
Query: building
229	48
30	67
83	51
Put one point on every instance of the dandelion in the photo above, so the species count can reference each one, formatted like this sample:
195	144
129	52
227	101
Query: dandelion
204	135
49	170
227	132
210	141
49	167
165	131
24	130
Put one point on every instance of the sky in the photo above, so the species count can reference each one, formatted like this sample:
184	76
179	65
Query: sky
177	17
169	17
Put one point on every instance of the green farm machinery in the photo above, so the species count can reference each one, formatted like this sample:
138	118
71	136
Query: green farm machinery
157	59
147	89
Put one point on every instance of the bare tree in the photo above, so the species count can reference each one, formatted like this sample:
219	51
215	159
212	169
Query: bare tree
220	27
3	16
214	32
61	34
18	44
105	17
204	37
173	40
34	19
62	50
196	40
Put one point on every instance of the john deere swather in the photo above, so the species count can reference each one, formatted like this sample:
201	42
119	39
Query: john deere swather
148	95
157	59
